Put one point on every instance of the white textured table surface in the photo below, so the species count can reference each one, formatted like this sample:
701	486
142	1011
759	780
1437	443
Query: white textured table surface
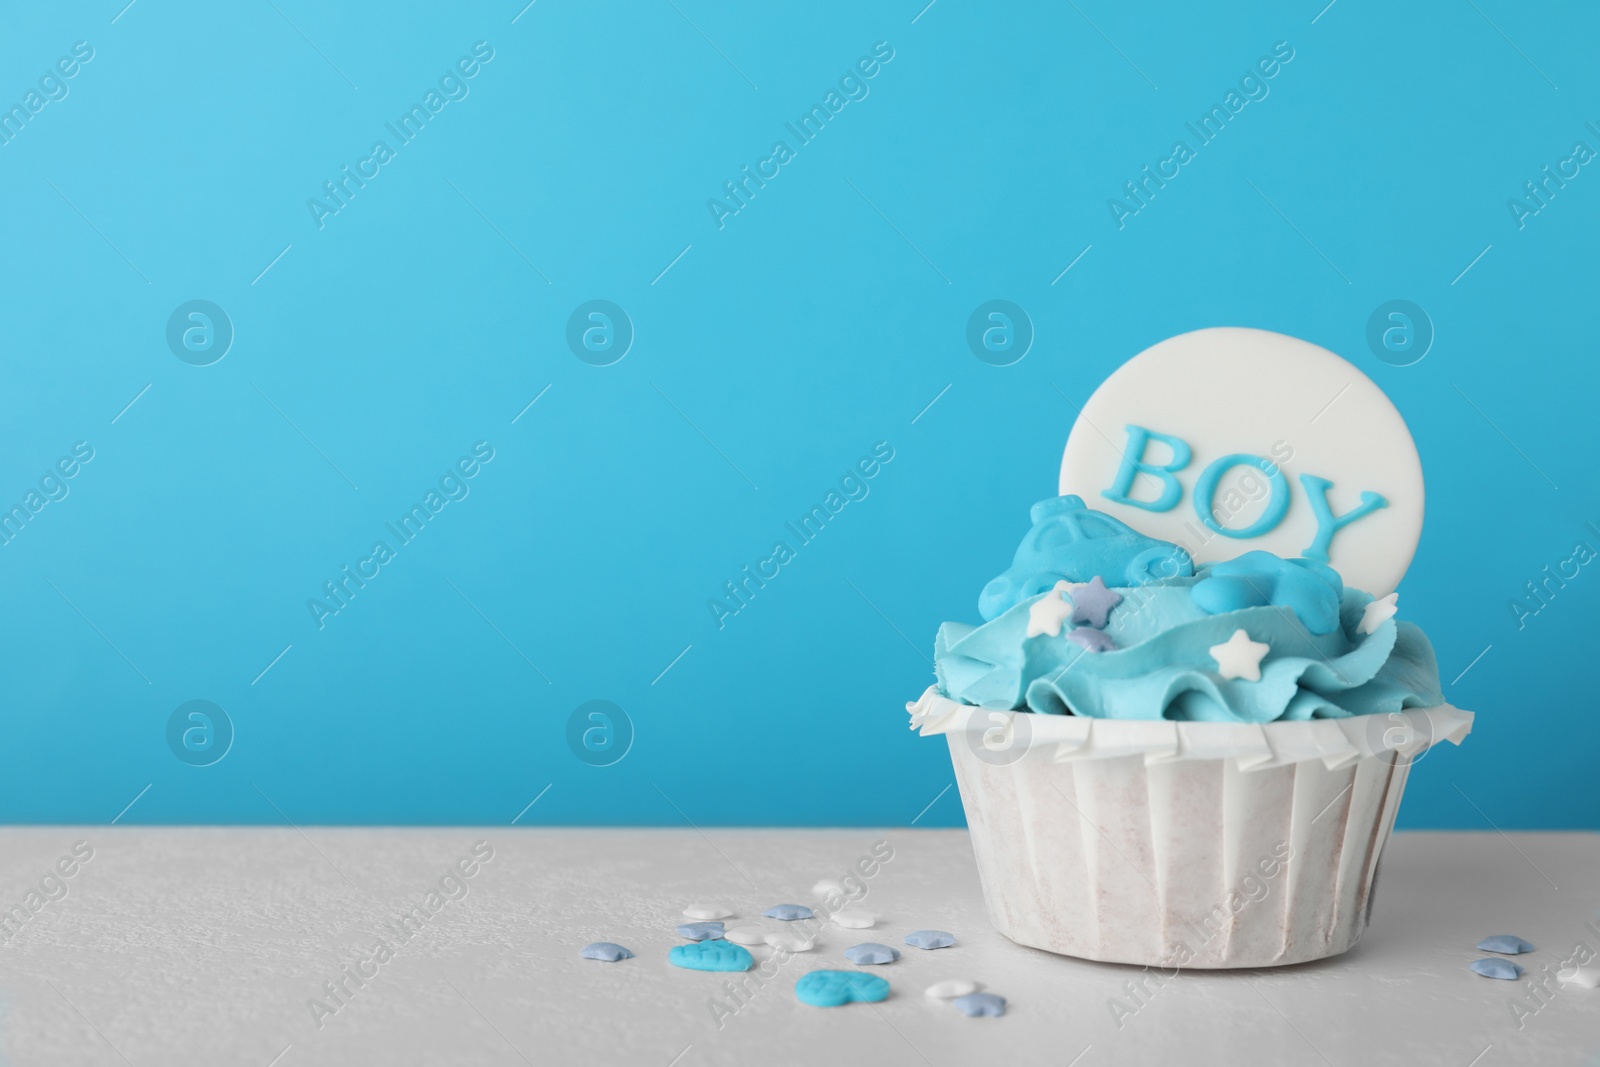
204	946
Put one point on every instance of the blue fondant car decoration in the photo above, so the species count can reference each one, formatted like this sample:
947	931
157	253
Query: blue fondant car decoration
1071	542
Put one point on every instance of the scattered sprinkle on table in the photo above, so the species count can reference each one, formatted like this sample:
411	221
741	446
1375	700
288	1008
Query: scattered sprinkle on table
707	911
951	988
1583	977
788	912
930	939
981	1004
1495	967
715	955
605	952
700	931
1509	944
746	935
870	953
790	940
854	918
830	989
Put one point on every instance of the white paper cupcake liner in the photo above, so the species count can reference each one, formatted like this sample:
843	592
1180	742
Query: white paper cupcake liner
1181	844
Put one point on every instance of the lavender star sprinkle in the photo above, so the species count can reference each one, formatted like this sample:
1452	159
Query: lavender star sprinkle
1091	640
1092	602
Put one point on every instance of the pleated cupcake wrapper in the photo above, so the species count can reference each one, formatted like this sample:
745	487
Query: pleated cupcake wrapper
1177	845
1335	742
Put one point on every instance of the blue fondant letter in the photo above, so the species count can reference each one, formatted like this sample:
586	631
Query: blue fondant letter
1328	523
1206	488
1133	465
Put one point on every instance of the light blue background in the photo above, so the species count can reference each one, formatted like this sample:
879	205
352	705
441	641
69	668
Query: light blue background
824	317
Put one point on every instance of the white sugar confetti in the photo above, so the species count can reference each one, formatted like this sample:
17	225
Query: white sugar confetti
951	988
746	935
854	918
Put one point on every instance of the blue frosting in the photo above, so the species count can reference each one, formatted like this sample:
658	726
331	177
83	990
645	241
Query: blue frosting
1071	543
1159	663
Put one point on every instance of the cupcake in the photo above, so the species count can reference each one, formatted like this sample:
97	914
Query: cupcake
1180	762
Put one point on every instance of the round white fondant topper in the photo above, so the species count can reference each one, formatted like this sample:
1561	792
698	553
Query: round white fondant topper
1228	440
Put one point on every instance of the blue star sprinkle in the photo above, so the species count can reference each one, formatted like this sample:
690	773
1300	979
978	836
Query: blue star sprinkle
700	931
605	952
788	912
870	952
930	939
981	1004
1495	967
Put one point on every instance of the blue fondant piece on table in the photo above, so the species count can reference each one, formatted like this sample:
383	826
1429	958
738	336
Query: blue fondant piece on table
1092	603
1091	640
869	953
788	912
829	989
1072	543
701	931
1495	967
605	952
1510	944
930	939
711	956
981	1004
1310	589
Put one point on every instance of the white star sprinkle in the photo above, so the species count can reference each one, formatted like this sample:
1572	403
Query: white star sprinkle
1240	657
1047	613
1377	613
